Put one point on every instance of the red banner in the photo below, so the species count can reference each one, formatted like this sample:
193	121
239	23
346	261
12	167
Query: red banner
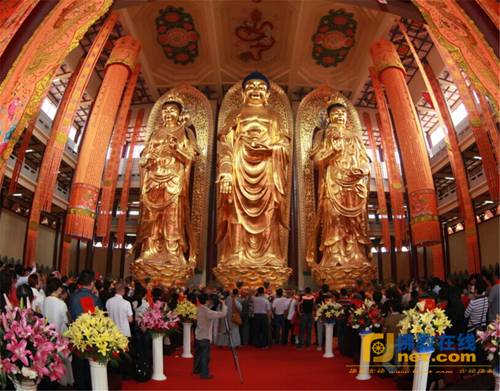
113	164
396	188
47	177
122	211
26	85
483	143
379	180
12	15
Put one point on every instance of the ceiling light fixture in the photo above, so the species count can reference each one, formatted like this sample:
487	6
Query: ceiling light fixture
450	178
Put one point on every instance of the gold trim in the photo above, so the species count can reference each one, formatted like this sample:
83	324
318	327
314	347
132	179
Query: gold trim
456	53
81	212
421	219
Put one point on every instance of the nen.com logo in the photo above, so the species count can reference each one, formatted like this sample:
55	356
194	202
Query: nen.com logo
373	346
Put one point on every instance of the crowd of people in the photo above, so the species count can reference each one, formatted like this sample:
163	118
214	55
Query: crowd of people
266	316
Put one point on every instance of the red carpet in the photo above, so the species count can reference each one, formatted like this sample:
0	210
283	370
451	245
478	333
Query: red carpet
276	368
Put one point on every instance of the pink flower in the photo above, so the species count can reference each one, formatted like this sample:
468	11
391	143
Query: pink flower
57	370
9	367
19	351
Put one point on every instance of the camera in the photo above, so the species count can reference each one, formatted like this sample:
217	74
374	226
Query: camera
215	300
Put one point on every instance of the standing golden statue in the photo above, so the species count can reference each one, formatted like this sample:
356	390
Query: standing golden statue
341	219
164	230
254	163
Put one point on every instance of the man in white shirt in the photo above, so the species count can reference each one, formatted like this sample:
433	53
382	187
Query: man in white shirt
280	305
203	335
120	310
261	319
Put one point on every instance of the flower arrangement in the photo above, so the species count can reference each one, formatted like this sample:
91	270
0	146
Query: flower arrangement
30	347
422	323
158	320
186	311
329	311
366	317
490	341
97	337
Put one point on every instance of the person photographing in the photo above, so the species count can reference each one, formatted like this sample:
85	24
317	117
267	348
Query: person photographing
203	335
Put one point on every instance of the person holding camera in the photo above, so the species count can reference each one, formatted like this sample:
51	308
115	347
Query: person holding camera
203	335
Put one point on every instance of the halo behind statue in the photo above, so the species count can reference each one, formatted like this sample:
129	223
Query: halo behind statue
198	113
256	275
311	115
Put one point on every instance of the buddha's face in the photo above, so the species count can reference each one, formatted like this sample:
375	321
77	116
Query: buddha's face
170	114
338	116
255	91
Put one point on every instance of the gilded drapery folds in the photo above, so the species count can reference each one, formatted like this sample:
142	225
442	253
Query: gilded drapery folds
175	181
333	211
254	182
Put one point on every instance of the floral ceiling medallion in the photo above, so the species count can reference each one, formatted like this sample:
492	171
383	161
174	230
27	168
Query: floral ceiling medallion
255	37
177	35
334	38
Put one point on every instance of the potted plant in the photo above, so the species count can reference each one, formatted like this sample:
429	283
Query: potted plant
329	312
490	342
364	319
424	325
186	311
30	348
97	338
158	321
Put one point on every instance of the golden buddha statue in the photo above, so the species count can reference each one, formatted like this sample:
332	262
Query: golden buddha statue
164	228
253	168
344	170
333	205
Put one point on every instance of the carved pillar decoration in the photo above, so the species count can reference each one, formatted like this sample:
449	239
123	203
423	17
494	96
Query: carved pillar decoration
26	85
382	202
21	154
113	164
88	174
396	189
477	124
421	193
457	165
490	123
47	177
127	179
462	40
13	14
466	206
492	9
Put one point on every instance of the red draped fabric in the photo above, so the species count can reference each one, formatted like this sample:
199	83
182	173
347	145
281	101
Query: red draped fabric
122	210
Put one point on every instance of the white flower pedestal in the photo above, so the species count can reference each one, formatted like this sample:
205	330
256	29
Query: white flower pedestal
158	358
26	385
186	340
422	369
329	339
364	367
99	375
496	373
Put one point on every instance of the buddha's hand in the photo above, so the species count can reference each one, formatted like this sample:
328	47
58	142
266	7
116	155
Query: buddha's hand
226	183
172	142
357	172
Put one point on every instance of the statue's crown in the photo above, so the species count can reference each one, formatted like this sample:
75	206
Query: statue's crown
174	98
336	100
